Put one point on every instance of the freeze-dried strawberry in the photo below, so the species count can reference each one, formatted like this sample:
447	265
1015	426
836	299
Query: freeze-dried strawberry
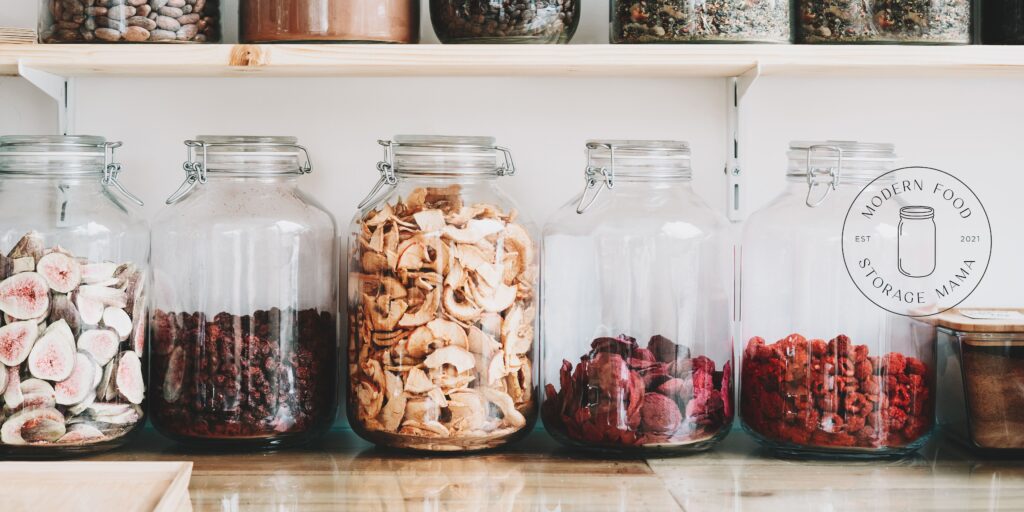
623	345
660	414
609	372
667	351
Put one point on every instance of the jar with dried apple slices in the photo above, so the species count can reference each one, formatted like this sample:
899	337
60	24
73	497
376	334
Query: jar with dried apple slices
245	296
824	370
442	300
74	260
637	286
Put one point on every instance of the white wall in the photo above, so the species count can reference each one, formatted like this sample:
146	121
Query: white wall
964	126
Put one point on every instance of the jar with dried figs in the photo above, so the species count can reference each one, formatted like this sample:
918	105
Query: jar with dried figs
74	261
129	21
442	301
637	288
825	371
244	318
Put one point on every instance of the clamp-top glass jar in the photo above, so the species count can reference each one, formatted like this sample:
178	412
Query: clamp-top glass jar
73	296
244	317
636	315
845	377
442	301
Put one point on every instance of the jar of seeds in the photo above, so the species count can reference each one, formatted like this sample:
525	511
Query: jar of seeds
504	21
884	21
696	21
129	21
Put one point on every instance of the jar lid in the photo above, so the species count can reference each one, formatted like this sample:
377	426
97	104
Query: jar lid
854	162
248	154
448	155
57	155
993	320
668	159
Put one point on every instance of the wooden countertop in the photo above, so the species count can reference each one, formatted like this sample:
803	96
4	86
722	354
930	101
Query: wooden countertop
344	472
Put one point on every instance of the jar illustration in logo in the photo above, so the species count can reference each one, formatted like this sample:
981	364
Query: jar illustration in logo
916	246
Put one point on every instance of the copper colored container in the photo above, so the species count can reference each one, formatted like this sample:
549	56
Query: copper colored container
355	21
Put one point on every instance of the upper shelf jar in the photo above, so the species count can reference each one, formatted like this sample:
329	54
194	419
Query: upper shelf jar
908	21
825	370
695	21
73	276
326	21
129	21
245	298
1002	21
636	319
505	21
442	301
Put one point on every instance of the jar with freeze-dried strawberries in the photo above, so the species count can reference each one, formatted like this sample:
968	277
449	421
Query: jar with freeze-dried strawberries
636	317
73	273
824	370
442	301
244	320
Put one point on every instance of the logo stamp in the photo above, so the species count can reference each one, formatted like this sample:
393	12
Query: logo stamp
916	241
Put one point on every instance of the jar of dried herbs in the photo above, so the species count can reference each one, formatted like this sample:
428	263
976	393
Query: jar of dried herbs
884	21
695	21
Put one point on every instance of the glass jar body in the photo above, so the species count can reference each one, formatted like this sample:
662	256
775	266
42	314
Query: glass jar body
884	21
845	377
649	261
90	253
696	21
372	21
244	322
527	21
117	21
442	315
1002	22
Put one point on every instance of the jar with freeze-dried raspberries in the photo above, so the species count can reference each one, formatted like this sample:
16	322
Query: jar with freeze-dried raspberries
824	371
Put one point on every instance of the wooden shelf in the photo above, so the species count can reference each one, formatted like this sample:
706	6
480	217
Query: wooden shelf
227	60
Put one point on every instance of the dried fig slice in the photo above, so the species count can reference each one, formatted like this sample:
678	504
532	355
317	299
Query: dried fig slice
19	265
12	395
98	409
36	394
107	388
101	344
62	308
33	426
175	376
81	433
129	377
81	407
93	273
79	384
3	378
61	271
16	340
129	417
30	245
91	310
25	296
119	321
53	355
112	297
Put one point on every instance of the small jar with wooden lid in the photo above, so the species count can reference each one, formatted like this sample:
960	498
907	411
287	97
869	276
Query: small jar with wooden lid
329	21
981	377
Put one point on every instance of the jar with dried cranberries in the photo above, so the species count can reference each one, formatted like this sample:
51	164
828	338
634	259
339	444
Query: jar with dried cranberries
245	313
73	272
442	301
637	317
825	371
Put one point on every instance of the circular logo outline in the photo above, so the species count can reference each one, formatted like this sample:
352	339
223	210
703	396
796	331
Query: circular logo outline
988	222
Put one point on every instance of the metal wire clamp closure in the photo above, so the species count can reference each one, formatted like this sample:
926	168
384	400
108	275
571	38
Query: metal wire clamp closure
606	180
196	170
112	169
832	174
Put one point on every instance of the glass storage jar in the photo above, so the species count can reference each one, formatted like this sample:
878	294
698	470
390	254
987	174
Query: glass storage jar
696	21
325	21
884	21
244	318
73	275
1002	21
134	21
981	377
824	370
636	307
505	21
442	301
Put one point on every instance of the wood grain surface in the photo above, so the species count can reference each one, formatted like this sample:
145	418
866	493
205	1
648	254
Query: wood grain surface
344	473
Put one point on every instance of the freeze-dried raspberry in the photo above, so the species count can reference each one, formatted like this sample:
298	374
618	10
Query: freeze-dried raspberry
894	363
915	366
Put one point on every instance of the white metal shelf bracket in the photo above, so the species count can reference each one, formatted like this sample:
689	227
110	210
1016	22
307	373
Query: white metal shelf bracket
60	88
736	88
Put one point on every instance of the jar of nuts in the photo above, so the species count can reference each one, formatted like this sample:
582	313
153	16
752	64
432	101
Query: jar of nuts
505	21
129	21
73	276
245	349
442	301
